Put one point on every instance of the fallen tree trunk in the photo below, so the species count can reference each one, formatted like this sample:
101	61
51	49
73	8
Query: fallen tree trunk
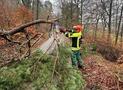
22	27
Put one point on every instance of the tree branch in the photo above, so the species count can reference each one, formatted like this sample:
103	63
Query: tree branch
21	27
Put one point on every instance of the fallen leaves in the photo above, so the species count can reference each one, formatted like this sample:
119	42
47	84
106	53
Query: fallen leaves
100	75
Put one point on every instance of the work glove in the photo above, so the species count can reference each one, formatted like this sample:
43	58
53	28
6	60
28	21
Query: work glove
63	30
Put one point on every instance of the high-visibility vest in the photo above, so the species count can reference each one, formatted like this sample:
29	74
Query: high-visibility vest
75	40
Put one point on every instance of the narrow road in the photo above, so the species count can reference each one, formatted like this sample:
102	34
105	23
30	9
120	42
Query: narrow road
51	43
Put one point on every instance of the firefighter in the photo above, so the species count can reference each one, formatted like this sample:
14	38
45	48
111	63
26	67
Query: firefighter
76	35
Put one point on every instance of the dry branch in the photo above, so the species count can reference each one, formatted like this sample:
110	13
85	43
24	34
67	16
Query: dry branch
22	27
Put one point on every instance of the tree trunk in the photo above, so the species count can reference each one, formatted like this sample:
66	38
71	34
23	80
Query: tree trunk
119	24
103	28
121	35
22	27
77	11
37	13
33	8
71	11
110	18
81	10
116	21
37	9
95	34
27	3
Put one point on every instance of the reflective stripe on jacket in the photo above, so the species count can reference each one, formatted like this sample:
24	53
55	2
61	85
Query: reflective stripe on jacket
75	40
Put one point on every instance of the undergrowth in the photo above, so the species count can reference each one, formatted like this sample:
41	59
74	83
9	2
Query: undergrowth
42	72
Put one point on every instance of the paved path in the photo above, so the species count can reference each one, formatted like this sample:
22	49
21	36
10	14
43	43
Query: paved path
51	43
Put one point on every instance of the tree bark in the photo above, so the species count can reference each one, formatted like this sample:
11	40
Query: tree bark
71	11
110	18
121	35
119	24
21	27
37	9
116	20
81	10
95	34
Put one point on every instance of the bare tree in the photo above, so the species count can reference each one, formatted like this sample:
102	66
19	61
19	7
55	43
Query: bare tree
109	14
119	24
121	35
71	11
27	3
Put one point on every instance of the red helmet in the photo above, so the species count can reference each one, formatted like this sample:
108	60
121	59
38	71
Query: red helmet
78	28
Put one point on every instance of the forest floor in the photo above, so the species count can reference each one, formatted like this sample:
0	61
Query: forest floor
101	74
103	69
